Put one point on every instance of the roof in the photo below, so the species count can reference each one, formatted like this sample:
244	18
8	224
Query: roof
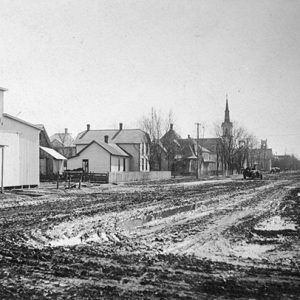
124	136
20	121
171	135
209	143
192	144
43	131
53	153
65	139
113	149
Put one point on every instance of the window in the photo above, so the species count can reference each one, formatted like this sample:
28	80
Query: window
146	165
124	164
119	164
142	164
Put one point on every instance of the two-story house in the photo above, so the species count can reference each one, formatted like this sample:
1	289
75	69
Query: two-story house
182	154
111	150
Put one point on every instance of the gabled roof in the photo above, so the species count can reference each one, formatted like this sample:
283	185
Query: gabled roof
192	144
171	135
53	153
113	149
124	136
44	132
209	143
20	121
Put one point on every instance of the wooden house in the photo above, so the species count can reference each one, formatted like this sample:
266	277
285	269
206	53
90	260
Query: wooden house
63	143
21	151
182	154
132	142
100	157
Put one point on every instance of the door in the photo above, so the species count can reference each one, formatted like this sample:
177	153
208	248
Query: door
85	165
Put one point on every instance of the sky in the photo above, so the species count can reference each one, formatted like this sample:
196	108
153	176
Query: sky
68	63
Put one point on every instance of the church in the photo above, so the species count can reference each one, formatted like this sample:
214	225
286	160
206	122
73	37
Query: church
227	153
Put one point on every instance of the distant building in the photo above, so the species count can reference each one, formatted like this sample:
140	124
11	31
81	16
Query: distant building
214	146
182	154
51	162
262	157
21	149
63	143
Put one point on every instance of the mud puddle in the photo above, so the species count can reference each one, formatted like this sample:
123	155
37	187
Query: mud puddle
132	224
275	225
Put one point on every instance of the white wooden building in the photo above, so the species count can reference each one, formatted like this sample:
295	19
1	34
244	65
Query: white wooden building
100	157
134	142
21	151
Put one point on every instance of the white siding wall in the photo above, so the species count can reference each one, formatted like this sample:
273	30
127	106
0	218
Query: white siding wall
99	159
29	160
144	160
134	151
115	164
11	158
28	157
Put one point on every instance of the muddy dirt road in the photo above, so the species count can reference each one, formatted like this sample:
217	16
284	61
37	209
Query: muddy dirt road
228	238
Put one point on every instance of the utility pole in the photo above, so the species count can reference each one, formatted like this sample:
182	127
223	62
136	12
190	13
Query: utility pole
198	156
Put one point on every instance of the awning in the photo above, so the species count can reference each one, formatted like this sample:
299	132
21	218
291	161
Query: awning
53	153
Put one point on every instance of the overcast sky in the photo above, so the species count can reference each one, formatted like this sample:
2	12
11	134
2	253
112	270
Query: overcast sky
70	63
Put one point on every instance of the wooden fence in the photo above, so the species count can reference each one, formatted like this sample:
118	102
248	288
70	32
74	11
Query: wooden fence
80	176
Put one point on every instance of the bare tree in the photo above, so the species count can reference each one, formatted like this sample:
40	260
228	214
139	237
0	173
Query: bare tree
156	125
234	149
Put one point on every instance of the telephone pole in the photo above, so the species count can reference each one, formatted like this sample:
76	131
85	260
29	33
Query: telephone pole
198	167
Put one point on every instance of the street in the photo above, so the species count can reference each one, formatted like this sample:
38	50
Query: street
224	238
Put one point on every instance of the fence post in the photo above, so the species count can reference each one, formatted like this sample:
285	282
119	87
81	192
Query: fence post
80	179
69	181
57	180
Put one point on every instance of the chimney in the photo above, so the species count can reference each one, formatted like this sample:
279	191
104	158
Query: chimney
120	126
66	130
106	139
88	126
171	126
189	136
2	90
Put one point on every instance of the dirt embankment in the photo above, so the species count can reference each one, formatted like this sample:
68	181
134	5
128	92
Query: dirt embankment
222	238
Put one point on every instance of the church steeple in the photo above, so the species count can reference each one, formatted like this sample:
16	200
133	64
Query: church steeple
227	118
227	125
